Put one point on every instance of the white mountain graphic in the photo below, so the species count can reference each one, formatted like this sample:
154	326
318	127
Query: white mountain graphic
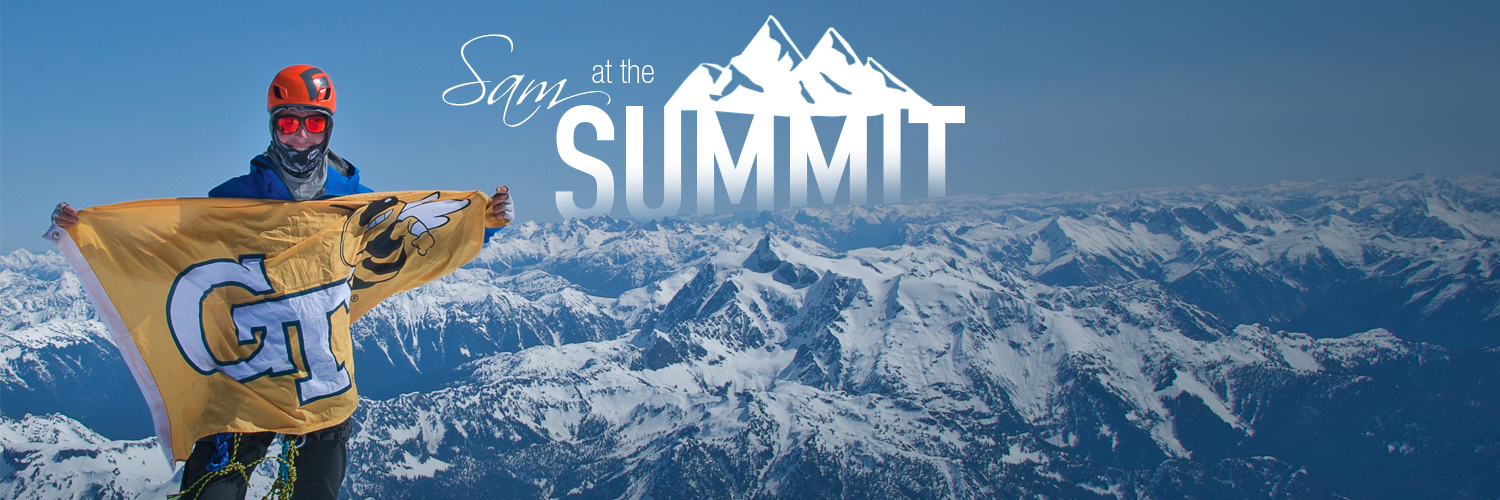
771	76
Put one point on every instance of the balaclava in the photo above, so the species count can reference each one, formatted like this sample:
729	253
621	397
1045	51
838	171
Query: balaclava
303	171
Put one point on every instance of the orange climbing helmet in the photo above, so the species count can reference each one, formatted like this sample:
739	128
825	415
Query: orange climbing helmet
301	85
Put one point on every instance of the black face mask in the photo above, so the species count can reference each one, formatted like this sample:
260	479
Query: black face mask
299	164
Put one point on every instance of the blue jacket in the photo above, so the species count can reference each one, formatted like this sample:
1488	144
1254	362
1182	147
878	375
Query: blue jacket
263	183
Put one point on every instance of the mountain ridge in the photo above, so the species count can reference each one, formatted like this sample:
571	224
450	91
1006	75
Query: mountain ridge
1077	345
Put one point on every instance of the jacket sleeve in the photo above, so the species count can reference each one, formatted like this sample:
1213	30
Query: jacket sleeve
238	187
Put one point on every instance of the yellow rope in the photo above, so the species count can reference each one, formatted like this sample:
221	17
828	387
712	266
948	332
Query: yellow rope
281	489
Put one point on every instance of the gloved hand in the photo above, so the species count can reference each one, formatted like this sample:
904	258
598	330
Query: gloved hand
504	207
64	215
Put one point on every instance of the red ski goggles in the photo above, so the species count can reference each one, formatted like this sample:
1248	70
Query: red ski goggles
290	124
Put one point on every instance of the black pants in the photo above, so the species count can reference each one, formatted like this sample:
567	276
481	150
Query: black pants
320	465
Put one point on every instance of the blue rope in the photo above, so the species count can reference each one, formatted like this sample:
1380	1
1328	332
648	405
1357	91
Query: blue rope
220	459
287	444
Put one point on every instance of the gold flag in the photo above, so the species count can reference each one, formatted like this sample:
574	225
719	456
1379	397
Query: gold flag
233	314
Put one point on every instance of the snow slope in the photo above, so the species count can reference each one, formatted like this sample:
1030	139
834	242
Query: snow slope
1131	344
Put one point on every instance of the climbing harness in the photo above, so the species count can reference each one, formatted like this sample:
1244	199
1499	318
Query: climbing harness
223	463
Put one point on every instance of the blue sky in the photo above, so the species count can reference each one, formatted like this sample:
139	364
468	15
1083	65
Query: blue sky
104	103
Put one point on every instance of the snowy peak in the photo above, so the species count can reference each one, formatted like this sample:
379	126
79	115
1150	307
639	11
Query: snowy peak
763	259
24	262
53	456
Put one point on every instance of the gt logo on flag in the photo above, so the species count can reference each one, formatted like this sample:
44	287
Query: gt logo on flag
267	322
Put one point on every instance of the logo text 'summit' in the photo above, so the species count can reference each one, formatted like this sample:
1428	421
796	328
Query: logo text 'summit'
769	78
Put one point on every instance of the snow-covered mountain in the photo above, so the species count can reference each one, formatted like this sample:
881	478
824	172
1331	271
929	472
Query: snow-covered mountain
54	456
57	357
1137	344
